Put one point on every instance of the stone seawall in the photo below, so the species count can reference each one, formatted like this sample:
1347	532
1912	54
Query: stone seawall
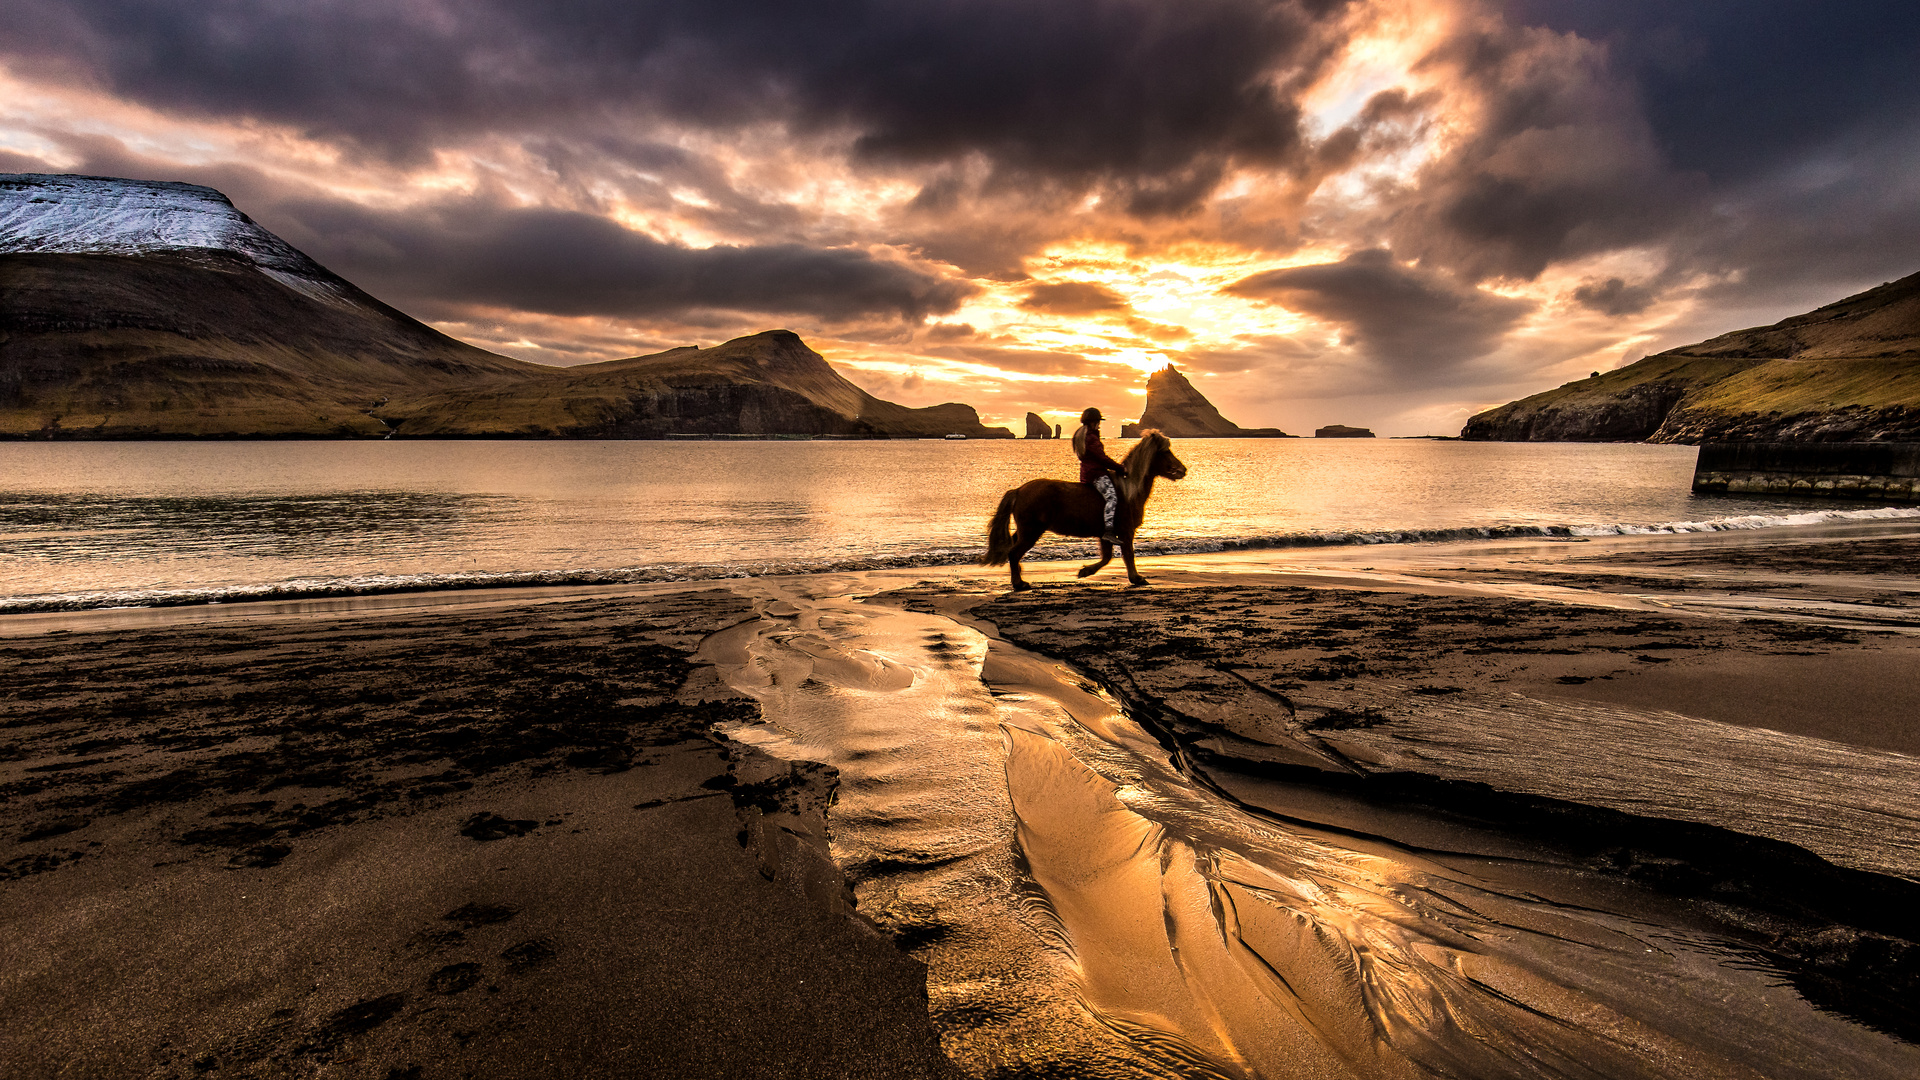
1846	470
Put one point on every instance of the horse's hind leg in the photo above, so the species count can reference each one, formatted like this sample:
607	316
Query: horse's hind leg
1023	542
1106	556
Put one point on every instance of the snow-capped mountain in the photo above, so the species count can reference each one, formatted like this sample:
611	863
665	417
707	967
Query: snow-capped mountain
136	308
102	215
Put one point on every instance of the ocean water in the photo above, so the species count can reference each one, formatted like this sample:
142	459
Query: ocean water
129	524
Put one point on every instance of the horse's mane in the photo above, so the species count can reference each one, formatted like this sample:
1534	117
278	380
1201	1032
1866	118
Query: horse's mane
1139	460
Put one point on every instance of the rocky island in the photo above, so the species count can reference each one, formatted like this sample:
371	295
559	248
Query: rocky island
1849	371
1175	407
147	310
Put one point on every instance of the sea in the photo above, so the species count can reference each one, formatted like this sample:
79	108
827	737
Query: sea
1087	900
142	524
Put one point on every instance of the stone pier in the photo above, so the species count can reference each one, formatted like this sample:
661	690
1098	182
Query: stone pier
1839	470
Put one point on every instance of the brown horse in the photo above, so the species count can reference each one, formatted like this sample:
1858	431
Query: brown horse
1038	507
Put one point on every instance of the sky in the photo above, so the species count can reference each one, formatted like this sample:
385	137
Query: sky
1389	214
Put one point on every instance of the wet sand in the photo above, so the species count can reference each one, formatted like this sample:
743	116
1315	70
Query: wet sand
1710	720
495	844
498	837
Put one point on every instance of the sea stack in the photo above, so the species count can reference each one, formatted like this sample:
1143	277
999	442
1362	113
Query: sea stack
1038	428
1342	431
1177	409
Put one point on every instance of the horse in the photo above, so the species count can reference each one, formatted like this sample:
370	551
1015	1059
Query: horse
1073	509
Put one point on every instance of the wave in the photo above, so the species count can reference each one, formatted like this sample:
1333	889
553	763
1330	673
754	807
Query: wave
317	588
1518	532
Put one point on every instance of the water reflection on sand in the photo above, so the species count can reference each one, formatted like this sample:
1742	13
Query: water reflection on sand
1089	908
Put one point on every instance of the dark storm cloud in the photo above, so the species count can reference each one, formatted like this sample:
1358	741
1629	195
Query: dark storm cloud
1274	354
1030	361
1614	297
1769	146
1155	100
1073	298
434	261
1410	320
1559	165
563	263
11	162
1734	88
939	332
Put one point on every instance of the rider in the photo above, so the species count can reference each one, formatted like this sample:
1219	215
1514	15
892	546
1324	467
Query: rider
1098	469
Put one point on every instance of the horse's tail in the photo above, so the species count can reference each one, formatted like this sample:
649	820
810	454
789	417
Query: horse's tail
1000	532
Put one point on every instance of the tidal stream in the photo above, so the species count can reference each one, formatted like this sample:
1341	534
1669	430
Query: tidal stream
1087	907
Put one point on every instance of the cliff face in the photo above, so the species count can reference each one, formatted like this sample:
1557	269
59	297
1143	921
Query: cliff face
1849	371
131	309
1176	408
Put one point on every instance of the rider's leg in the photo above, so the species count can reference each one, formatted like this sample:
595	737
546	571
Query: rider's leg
1110	507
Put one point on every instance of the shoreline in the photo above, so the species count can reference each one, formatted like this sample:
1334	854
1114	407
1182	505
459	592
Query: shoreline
1337	546
490	823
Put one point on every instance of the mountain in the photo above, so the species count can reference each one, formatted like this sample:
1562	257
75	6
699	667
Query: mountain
770	383
1176	408
133	309
137	309
1849	371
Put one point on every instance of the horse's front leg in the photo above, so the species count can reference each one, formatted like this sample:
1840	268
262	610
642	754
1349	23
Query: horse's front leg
1126	556
1106	556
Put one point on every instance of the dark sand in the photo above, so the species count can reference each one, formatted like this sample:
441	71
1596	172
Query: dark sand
502	842
429	845
1405	709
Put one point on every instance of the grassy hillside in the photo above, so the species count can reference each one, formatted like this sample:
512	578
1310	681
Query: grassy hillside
1846	371
768	383
207	345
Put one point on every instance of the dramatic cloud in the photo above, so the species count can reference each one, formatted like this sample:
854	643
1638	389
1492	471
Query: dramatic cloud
1733	90
1404	318
563	263
1410	208
1158	100
1614	297
1026	361
1073	298
1557	163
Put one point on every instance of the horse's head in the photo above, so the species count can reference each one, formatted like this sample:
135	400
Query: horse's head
1152	456
1165	464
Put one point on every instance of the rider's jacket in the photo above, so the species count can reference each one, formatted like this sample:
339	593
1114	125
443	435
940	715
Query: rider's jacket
1094	461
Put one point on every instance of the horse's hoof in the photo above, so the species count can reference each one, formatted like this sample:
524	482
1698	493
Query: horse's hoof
1089	571
1137	580
1021	586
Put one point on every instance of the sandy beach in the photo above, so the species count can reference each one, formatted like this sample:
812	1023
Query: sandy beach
502	836
490	844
